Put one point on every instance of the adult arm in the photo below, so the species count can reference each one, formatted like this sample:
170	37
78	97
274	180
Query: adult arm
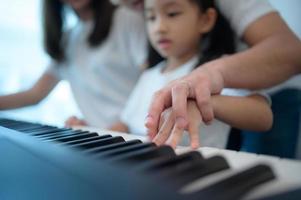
273	56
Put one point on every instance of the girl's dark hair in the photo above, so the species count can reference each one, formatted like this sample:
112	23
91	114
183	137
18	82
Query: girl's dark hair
216	43
54	24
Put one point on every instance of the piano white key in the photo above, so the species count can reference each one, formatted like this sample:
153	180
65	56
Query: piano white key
208	152
271	188
289	170
235	159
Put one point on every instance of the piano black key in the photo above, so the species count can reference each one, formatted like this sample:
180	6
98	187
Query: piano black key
16	126
6	125
99	142
146	154
49	131
123	150
34	129
113	146
57	133
26	126
61	135
194	170
30	127
74	137
84	140
7	122
287	195
171	163
238	185
41	129
13	125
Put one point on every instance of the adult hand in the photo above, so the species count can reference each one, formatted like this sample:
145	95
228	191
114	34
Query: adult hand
198	85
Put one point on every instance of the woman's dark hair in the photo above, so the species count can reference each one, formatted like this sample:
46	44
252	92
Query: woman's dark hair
218	42
54	23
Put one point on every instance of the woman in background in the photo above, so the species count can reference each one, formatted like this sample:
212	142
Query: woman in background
103	47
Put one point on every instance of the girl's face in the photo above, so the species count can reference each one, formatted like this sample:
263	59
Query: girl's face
174	26
78	5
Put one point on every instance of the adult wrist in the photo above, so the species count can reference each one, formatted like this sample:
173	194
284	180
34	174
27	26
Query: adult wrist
214	69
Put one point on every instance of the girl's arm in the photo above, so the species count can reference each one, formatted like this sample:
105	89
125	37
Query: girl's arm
250	113
31	96
119	127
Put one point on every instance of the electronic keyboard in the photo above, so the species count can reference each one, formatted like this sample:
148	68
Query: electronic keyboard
46	162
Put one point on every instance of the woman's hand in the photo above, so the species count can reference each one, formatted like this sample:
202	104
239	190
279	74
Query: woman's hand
169	131
74	121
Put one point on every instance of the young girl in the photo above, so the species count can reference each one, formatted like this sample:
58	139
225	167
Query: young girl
104	46
179	30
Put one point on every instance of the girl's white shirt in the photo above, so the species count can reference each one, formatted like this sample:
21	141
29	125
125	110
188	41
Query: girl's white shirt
242	13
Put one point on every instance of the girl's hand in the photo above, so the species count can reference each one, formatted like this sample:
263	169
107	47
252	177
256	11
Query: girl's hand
169	133
74	121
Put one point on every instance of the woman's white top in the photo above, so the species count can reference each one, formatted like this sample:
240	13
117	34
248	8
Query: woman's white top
242	13
153	79
102	78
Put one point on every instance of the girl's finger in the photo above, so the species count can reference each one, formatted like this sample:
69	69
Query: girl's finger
164	131
194	135
176	136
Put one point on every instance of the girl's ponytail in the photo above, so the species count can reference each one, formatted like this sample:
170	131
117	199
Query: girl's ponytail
53	22
220	40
